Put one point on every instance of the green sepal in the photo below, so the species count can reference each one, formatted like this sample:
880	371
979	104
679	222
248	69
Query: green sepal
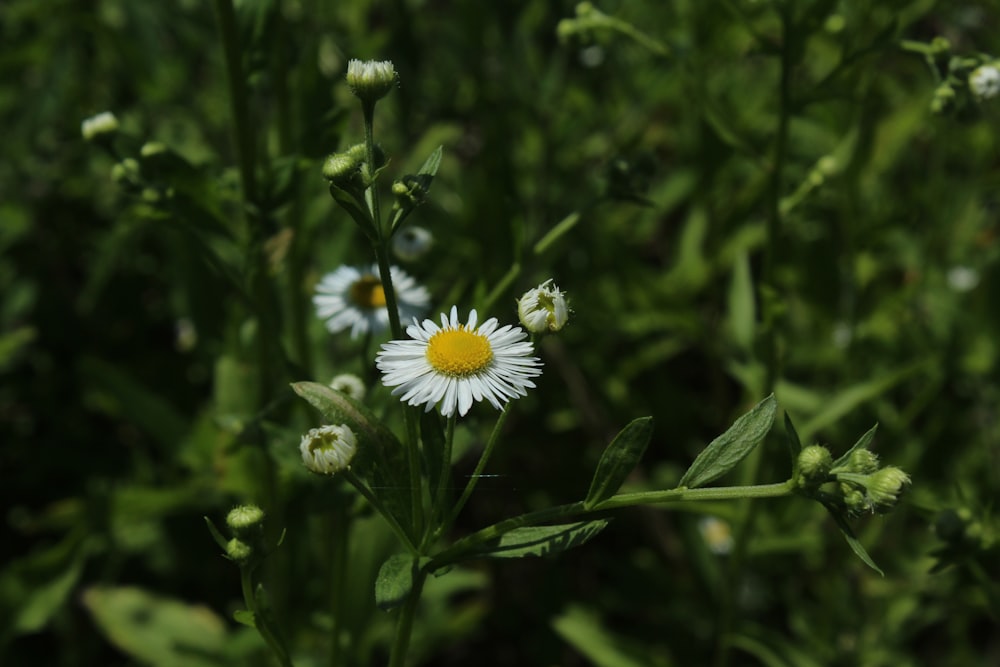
862	443
723	453
381	458
395	579
618	460
539	540
848	534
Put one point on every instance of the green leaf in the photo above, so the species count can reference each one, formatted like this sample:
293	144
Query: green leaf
618	460
395	580
792	438
156	630
723	453
741	317
245	617
432	163
582	629
852	541
359	213
862	443
381	458
540	540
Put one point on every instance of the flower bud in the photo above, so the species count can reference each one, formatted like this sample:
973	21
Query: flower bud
984	82
862	461
350	385
239	551
102	125
854	500
244	519
814	462
370	80
944	97
340	167
543	308
885	486
328	450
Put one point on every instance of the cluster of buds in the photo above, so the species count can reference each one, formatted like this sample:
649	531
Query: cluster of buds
246	547
854	482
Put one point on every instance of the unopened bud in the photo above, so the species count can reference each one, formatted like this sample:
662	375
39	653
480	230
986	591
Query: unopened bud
815	462
102	125
245	518
328	450
543	308
239	551
885	486
370	80
862	461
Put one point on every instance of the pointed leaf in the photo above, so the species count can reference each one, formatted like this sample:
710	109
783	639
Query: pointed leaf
852	541
395	580
723	453
862	443
245	617
792	438
618	460
432	163
540	540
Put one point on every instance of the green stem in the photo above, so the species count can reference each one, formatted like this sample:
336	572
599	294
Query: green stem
389	518
474	477
468	545
238	98
445	475
404	626
260	621
338	573
766	292
385	275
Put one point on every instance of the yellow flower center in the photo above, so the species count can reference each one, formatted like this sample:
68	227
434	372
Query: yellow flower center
367	292
458	352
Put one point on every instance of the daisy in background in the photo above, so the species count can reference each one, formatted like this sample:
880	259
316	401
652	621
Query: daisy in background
456	364
353	298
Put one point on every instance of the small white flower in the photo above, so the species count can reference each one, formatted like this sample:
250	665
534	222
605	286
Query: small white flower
412	243
455	364
353	298
985	81
95	126
543	308
370	80
328	449
717	534
962	278
349	384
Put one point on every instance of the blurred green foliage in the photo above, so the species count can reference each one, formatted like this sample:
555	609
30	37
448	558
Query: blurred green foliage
150	327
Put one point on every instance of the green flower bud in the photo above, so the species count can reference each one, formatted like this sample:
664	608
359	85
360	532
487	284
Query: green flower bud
103	125
340	167
245	518
862	461
239	551
940	45
814	465
885	486
944	97
370	80
854	500
349	384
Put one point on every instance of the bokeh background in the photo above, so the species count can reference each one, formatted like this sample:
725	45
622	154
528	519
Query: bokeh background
148	334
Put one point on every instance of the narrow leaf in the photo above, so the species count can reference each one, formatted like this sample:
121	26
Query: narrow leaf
723	453
792	438
432	163
245	617
742	312
541	540
852	541
862	443
618	460
395	580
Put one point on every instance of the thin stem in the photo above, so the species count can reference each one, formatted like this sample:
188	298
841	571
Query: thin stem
404	626
260	621
389	518
445	475
467	545
474	477
338	575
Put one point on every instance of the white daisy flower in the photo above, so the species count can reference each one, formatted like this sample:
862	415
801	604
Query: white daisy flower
455	364
328	449
543	308
353	298
985	81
